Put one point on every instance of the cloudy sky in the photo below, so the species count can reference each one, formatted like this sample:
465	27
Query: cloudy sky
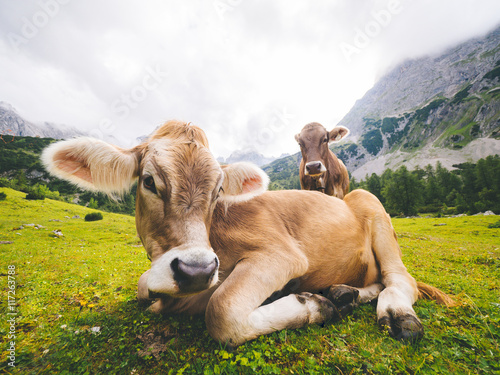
250	73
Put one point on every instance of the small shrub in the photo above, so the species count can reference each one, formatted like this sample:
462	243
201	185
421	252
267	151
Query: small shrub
495	225
94	216
35	195
3	196
4	182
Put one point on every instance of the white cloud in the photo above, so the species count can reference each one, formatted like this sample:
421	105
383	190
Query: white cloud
232	66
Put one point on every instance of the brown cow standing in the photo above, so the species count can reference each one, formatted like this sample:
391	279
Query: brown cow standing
220	244
320	169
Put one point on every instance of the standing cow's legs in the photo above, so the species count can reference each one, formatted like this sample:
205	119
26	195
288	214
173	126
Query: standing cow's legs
234	313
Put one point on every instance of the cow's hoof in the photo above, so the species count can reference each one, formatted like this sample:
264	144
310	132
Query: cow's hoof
144	302
344	297
321	309
405	327
156	308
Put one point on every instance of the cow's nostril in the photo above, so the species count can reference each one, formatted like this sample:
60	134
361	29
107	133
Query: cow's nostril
175	265
193	276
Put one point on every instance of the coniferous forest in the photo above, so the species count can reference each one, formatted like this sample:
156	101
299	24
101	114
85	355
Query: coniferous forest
470	188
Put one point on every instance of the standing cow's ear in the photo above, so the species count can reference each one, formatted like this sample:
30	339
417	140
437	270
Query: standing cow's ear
297	137
337	133
92	164
242	182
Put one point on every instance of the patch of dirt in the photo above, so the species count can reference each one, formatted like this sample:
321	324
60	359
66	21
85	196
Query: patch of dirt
155	342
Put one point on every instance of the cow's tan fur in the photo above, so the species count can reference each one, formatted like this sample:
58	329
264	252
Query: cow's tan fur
264	242
335	179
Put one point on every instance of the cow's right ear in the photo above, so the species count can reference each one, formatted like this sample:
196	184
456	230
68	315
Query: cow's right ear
297	137
337	133
92	164
242	182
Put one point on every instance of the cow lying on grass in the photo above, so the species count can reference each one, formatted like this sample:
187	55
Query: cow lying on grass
320	169
220	244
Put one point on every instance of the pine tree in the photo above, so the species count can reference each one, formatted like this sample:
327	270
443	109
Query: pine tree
403	193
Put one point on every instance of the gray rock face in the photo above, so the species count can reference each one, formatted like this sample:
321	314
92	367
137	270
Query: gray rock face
12	123
439	108
414	83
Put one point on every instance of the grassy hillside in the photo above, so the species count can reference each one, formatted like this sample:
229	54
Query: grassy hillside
77	312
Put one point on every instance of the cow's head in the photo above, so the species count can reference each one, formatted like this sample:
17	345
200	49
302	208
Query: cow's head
179	184
313	141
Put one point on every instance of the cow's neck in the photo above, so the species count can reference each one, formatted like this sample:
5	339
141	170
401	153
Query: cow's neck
319	183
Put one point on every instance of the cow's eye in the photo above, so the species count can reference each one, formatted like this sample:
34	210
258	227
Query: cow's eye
220	190
325	140
149	183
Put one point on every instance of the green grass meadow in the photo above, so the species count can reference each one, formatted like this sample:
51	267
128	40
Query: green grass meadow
75	306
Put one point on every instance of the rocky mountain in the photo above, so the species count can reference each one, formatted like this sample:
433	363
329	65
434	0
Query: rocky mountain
11	123
438	108
249	155
442	108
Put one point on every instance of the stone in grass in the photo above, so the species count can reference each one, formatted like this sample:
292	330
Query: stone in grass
56	233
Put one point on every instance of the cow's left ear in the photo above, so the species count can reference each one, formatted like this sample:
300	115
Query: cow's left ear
242	182
92	164
337	133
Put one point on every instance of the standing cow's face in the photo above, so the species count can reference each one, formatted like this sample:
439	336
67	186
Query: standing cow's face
313	141
179	184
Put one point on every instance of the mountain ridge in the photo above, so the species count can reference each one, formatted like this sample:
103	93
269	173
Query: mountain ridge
12	123
443	108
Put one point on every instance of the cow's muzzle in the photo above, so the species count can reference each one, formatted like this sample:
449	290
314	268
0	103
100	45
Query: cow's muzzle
193	277
315	168
181	271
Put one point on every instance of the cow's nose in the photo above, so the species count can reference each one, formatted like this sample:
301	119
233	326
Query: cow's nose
193	277
313	167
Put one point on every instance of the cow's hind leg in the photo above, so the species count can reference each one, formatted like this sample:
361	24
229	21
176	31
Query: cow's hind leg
235	313
394	306
346	297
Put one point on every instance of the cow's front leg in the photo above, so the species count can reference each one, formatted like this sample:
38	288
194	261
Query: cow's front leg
235	313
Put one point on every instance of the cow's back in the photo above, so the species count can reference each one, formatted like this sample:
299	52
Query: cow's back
324	228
